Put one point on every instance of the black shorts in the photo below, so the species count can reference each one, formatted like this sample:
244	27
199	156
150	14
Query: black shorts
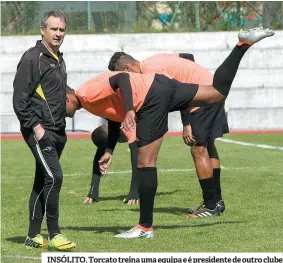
209	122
165	95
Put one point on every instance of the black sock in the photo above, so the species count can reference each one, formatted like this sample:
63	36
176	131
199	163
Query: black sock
34	228
133	193
95	181
216	178
226	72
53	228
94	187
208	192
95	165
147	178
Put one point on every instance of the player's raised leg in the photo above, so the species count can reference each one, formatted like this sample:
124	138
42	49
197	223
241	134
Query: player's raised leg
226	72
157	114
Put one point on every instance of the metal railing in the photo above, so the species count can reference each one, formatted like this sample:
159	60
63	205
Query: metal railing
23	18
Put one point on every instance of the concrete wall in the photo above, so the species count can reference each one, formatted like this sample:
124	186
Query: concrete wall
255	101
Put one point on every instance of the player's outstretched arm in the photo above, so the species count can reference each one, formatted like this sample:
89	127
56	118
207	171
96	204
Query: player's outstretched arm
185	114
187	129
113	135
122	81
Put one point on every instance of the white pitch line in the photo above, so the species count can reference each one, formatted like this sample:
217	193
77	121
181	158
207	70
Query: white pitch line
21	257
129	172
120	172
264	146
164	171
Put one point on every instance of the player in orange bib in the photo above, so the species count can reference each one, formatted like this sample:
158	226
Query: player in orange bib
99	138
143	101
201	125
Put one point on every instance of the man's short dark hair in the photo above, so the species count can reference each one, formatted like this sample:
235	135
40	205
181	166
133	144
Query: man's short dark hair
117	58
54	14
114	60
69	90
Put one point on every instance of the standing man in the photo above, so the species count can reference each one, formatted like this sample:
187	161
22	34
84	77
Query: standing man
39	103
201	125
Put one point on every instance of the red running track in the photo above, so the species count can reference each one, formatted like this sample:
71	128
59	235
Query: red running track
87	135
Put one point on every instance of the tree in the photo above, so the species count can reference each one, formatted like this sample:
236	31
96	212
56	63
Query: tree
19	16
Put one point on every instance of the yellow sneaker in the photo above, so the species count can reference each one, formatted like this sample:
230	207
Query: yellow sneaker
60	242
36	242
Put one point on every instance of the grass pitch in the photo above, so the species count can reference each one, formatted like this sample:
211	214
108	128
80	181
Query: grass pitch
251	183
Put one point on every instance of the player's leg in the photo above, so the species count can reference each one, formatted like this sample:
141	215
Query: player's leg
223	77
218	128
222	80
147	178
99	138
152	124
205	175
215	161
201	121
208	169
208	123
130	137
133	195
226	72
93	194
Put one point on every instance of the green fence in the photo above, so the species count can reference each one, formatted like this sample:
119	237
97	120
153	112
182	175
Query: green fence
23	18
